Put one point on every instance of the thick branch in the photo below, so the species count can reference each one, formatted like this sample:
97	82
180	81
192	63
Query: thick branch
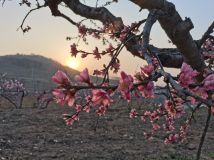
177	30
169	57
133	46
151	19
150	4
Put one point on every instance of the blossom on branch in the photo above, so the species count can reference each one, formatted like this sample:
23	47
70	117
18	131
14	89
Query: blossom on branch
60	78
133	113
74	50
147	90
100	97
96	53
83	77
187	75
63	96
209	82
125	85
147	69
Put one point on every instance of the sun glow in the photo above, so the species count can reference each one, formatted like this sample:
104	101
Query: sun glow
73	63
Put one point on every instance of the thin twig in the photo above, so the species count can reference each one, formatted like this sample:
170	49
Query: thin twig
206	34
23	21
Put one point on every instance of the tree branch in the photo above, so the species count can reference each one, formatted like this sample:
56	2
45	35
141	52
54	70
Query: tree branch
23	21
177	30
173	60
151	19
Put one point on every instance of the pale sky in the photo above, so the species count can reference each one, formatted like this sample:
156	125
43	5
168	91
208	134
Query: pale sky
48	33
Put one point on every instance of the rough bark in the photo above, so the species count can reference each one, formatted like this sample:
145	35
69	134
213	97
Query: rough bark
177	30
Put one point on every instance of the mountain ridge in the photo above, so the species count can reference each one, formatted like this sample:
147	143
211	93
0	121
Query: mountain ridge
35	71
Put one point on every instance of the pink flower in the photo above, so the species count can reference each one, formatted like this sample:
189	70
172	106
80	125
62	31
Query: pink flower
100	97
70	98
96	53
192	100
69	120
125	85
143	119
187	75
171	138
155	126
147	113
59	95
200	91
169	124
83	76
78	108
147	69
154	116
60	78
74	50
82	30
101	110
64	97
209	82
183	131
86	109
170	108
147	90
174	111
133	113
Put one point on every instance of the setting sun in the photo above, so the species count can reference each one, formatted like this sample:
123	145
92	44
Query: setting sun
73	63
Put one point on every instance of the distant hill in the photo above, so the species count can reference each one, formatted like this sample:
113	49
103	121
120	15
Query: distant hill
34	71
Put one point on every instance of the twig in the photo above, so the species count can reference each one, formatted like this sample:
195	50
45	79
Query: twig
23	21
206	35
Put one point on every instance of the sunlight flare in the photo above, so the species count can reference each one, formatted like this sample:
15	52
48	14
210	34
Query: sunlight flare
72	63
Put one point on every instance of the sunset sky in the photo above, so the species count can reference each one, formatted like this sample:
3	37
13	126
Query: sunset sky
48	33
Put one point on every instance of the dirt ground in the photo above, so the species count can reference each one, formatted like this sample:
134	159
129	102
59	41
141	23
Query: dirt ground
40	134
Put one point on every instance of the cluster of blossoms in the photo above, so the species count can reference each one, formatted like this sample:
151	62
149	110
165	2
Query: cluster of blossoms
169	112
115	33
66	94
208	46
142	84
12	90
101	96
11	85
208	52
186	80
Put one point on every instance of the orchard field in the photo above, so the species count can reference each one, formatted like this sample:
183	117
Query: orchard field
41	134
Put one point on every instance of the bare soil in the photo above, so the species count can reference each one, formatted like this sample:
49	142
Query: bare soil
41	134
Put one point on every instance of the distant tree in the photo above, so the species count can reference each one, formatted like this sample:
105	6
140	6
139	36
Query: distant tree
43	99
12	90
194	85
